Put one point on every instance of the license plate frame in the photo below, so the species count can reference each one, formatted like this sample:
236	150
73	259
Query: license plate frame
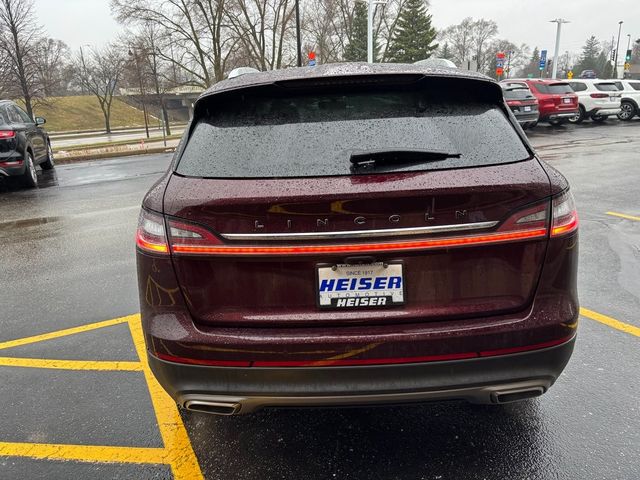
566	100
527	108
393	297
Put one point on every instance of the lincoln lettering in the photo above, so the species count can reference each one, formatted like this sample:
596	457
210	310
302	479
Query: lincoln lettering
359	284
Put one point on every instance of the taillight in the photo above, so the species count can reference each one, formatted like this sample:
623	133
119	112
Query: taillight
565	215
514	103
189	238
599	95
4	134
533	219
150	235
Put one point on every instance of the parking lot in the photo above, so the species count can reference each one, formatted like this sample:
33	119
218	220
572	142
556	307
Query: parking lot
79	399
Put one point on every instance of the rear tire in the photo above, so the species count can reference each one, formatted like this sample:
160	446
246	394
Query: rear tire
627	112
48	164
598	118
30	177
580	117
556	123
533	124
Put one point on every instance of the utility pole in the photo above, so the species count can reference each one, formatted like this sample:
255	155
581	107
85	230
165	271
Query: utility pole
615	61
298	37
559	21
134	54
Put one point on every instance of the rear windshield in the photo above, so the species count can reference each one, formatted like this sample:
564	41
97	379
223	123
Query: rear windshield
517	94
554	88
316	134
607	87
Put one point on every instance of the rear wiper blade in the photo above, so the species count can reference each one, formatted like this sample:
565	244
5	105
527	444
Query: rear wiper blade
405	156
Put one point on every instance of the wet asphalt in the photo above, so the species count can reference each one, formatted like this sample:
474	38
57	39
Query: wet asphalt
68	259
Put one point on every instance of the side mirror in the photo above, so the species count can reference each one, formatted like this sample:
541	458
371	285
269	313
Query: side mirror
40	121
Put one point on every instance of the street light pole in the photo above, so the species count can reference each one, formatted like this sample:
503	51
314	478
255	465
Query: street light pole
615	61
370	31
298	36
559	21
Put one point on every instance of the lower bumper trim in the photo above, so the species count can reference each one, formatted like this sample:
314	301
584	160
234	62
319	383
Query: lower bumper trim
494	379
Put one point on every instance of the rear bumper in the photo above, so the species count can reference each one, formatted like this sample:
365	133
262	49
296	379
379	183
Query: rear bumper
11	166
605	112
560	116
527	117
233	390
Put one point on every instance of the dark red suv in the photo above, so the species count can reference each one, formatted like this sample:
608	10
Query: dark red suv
355	234
556	99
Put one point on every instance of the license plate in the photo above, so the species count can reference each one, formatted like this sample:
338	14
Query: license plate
360	286
566	100
527	109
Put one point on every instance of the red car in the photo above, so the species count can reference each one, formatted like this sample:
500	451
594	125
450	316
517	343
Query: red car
356	234
557	101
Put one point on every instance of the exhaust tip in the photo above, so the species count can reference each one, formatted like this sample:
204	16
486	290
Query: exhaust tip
509	396
215	408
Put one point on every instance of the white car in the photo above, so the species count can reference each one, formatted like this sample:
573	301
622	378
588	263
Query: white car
598	99
630	98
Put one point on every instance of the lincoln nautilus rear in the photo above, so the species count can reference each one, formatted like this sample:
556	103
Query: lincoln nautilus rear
356	234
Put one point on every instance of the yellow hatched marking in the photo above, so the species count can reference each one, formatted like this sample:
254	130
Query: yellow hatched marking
70	364
623	215
63	333
84	453
611	322
180	454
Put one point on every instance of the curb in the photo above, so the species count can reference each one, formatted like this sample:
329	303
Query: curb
107	155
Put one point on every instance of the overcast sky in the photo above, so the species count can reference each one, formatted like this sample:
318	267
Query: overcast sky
81	22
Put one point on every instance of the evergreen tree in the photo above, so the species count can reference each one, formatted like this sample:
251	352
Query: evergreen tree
604	68
532	69
414	37
589	57
356	50
445	52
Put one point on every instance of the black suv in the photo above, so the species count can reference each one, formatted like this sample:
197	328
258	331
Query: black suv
23	144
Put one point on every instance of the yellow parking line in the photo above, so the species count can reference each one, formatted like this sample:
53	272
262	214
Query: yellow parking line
84	453
180	454
611	322
71	364
623	215
63	333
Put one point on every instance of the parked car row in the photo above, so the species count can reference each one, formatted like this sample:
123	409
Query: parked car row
558	101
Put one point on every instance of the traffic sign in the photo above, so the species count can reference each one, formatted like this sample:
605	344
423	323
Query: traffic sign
499	71
627	66
543	59
312	59
570	74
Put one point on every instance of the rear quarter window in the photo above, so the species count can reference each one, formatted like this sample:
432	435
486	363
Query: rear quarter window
635	85
606	87
315	134
578	86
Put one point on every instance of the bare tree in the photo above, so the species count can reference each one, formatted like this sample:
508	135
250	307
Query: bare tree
263	29
460	40
51	61
192	34
324	30
482	33
99	73
19	36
